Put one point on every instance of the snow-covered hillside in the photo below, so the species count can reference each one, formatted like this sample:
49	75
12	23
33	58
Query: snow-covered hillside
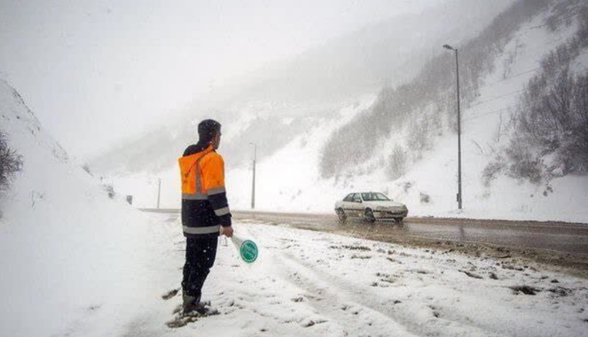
289	177
289	180
316	83
71	258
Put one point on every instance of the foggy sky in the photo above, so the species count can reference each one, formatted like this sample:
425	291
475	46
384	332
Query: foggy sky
96	72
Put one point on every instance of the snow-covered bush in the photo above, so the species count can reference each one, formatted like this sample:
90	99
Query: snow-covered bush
397	163
10	162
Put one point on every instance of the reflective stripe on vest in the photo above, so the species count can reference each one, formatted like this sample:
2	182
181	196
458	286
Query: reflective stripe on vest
222	211
201	230
214	191
197	196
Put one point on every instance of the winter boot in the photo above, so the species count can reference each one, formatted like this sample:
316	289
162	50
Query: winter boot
190	303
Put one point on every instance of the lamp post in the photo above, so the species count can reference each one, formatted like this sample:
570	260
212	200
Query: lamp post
254	176
159	189
459	196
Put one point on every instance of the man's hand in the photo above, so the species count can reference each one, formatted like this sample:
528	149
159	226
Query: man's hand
227	231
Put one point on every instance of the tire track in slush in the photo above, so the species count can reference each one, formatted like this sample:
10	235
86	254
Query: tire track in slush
337	306
348	305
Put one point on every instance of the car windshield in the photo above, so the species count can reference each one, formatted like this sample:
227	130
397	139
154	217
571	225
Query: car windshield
374	196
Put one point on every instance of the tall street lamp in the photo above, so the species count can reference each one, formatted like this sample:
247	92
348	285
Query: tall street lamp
254	178
459	196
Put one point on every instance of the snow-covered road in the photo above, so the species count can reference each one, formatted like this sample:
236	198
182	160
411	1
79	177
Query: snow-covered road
307	283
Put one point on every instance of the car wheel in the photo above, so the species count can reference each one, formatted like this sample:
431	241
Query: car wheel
341	215
369	216
399	219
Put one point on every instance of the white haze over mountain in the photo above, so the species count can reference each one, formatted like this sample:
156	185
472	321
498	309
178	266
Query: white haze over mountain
271	105
97	72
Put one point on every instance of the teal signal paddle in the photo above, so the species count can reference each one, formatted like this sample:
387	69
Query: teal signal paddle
248	250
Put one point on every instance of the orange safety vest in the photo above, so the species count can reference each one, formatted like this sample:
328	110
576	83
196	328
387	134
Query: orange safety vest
197	184
204	201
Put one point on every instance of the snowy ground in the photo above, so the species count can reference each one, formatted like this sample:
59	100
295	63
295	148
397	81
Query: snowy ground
73	260
307	283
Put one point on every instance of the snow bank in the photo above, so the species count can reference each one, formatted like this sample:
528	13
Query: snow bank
73	261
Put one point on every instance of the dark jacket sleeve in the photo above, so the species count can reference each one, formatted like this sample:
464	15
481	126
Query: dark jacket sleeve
215	186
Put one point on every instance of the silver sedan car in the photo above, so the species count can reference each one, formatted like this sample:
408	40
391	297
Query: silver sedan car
370	206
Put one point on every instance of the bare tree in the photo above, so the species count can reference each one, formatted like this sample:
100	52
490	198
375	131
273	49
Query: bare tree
555	118
397	162
10	162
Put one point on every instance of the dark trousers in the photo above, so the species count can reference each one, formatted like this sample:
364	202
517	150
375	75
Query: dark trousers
200	257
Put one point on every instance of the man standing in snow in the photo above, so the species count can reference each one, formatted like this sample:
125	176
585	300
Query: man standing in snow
205	211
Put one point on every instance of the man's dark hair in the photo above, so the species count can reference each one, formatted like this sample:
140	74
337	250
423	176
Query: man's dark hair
207	129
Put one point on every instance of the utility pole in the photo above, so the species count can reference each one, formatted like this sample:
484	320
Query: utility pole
159	189
254	178
459	195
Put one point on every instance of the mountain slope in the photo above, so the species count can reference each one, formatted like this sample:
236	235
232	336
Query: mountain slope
71	257
427	179
410	153
316	83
